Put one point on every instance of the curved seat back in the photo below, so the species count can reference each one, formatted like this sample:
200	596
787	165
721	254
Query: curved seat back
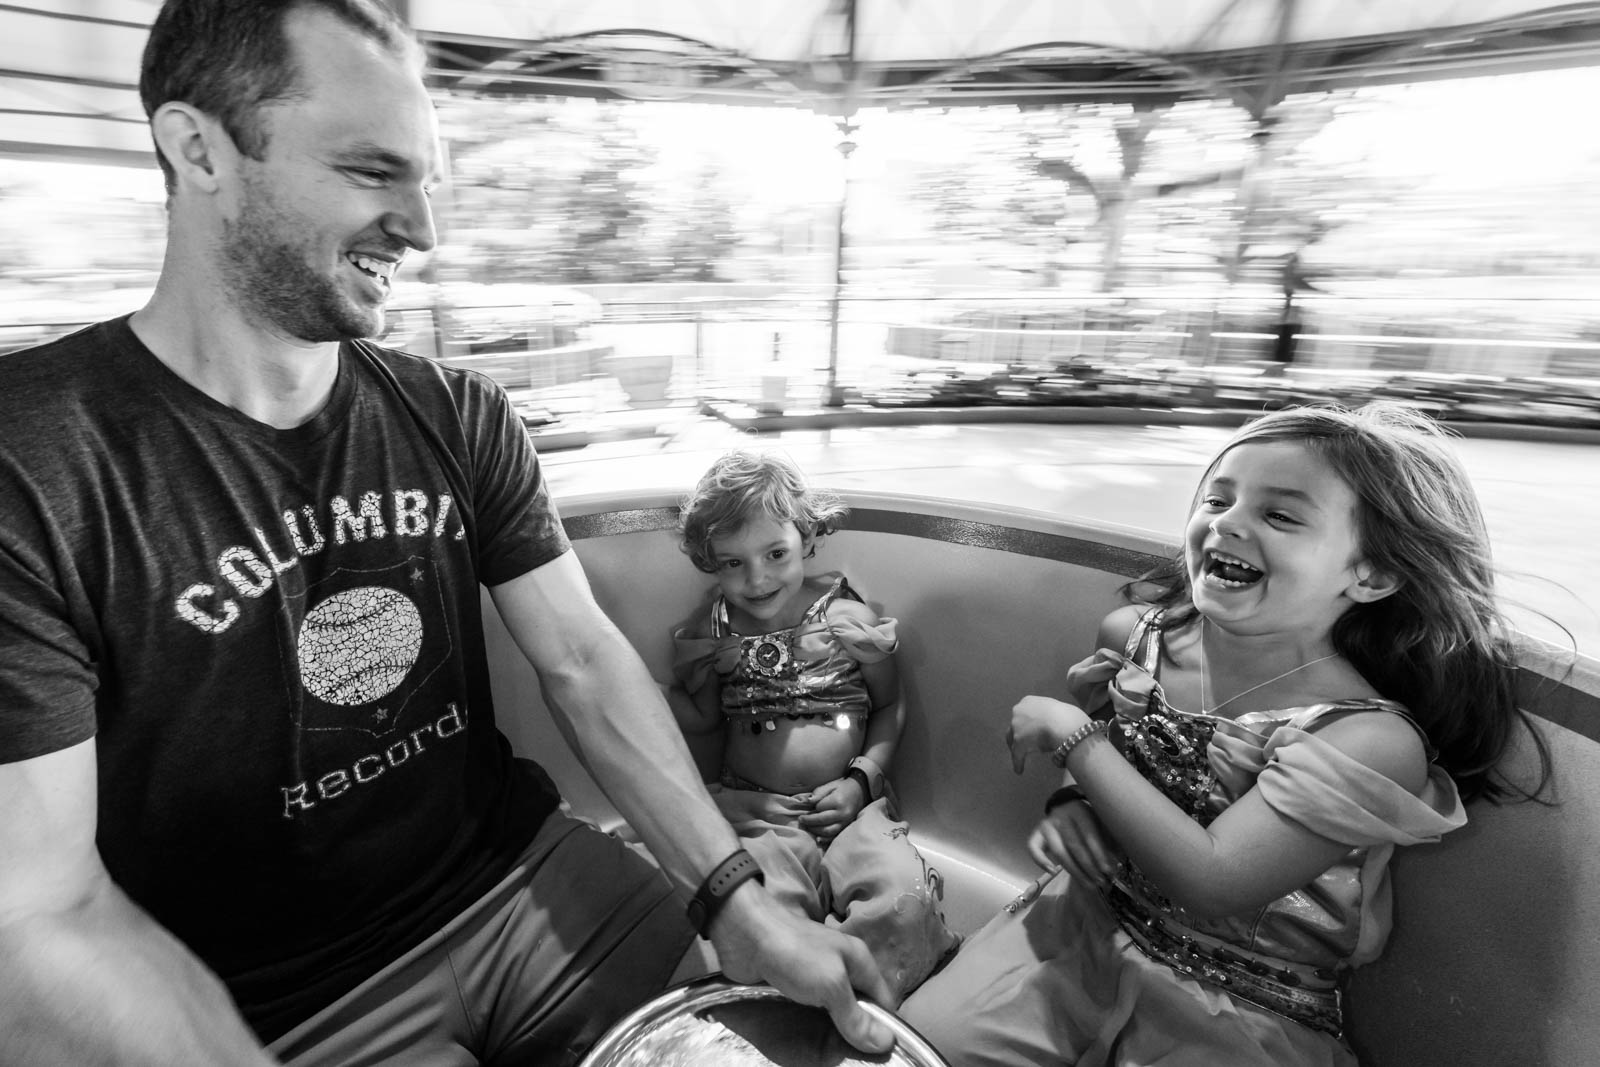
1495	957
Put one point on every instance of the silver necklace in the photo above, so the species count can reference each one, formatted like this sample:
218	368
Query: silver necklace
1205	671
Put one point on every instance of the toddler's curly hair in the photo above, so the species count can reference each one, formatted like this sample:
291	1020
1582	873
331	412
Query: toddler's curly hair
742	485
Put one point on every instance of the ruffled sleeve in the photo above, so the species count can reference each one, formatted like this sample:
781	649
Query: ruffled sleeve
863	642
1329	793
694	659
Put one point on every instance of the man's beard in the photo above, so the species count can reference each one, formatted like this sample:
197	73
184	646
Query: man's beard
272	277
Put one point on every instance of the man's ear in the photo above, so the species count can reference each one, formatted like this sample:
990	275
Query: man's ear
194	144
1372	584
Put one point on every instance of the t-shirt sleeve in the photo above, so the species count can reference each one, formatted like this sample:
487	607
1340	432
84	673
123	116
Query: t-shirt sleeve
518	526
47	676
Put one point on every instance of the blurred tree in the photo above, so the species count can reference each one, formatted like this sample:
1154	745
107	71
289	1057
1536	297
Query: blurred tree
572	192
1050	155
690	230
1051	178
1195	186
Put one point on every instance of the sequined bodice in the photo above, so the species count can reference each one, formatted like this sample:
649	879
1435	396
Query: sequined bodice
770	679
1170	749
1280	954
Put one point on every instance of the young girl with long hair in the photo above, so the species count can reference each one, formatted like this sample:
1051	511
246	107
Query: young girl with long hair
1321	676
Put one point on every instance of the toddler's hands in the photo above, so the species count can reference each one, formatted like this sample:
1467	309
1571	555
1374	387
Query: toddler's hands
1040	724
1071	838
834	805
743	805
1086	679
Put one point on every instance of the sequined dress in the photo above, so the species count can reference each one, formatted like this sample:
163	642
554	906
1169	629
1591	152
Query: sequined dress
1078	976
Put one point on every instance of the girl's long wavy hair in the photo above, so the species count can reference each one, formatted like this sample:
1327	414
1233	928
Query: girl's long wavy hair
1439	644
743	485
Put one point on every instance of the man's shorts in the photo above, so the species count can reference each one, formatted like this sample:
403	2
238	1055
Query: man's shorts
579	933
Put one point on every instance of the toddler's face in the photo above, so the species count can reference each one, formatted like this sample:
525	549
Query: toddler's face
760	568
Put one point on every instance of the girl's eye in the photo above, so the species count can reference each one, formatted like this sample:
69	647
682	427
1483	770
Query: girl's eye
778	554
1214	502
727	564
1280	517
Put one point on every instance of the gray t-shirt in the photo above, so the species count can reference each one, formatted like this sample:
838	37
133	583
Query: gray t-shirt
275	638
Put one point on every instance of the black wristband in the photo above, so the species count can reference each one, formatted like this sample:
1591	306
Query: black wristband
859	777
727	876
1065	795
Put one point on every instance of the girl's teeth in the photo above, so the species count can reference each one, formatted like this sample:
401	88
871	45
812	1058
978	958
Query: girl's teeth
1232	572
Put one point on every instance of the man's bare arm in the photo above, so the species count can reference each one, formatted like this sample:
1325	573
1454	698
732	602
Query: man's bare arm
86	977
606	704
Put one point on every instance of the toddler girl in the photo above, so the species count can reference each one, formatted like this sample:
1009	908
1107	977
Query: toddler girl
792	680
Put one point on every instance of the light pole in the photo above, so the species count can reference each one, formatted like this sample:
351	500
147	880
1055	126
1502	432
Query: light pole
834	396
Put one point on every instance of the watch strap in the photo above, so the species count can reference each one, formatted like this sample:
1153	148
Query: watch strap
868	775
724	878
1065	795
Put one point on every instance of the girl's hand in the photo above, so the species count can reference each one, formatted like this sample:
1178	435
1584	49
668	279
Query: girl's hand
1071	838
1086	679
745	805
1040	724
835	805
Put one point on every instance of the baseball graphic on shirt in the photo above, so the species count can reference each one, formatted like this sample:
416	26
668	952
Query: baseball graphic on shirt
356	646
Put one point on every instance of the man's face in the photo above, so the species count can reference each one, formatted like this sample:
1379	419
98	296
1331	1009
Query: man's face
322	222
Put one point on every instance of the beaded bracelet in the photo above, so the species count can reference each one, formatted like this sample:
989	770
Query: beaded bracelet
1074	739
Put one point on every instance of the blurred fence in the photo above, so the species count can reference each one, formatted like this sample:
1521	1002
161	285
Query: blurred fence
656	345
736	347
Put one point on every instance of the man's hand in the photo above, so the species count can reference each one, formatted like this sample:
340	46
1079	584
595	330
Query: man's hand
835	805
758	940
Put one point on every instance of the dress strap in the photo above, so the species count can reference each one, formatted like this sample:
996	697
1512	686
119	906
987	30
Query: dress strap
719	616
840	587
1148	626
1318	713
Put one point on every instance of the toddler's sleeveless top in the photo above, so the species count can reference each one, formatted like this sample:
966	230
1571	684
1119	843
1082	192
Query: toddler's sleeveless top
1291	955
810	671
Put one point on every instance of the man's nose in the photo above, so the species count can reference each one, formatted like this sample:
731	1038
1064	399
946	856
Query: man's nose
410	219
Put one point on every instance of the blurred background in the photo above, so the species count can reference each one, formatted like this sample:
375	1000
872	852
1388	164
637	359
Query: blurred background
927	245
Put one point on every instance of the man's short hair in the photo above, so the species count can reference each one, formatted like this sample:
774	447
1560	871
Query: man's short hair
231	58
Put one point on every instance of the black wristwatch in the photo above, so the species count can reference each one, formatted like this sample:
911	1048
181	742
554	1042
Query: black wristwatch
727	876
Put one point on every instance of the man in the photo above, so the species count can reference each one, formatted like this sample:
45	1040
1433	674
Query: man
245	726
